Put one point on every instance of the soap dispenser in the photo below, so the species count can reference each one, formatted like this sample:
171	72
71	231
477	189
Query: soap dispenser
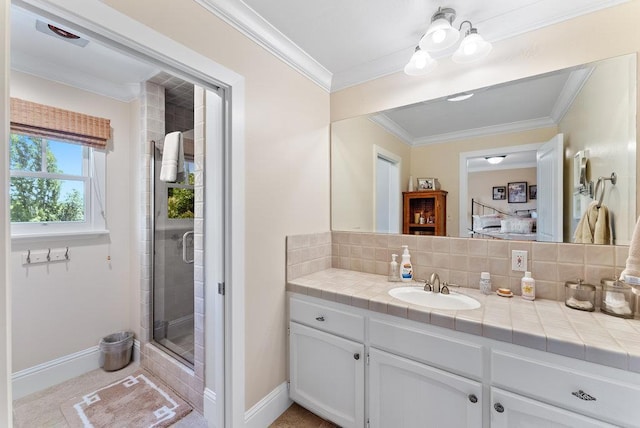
394	271
406	269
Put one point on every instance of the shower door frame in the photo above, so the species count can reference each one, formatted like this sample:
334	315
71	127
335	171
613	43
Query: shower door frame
224	398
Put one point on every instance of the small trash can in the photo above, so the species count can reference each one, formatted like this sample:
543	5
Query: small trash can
116	350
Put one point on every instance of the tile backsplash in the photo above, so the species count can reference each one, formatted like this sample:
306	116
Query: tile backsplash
458	260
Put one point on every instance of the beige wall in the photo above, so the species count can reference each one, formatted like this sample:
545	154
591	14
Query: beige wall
599	121
352	148
287	169
62	308
481	185
443	162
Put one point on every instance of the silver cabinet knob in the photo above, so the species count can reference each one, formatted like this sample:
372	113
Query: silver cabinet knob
499	408
356	356
320	318
473	398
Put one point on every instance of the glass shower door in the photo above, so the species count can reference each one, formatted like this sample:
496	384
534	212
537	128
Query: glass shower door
173	278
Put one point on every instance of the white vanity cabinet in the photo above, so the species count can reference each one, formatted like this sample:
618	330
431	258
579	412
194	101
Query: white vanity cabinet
326	370
406	394
413	374
589	393
515	411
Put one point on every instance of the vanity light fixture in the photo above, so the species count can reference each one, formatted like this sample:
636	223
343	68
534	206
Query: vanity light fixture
493	160
420	63
441	35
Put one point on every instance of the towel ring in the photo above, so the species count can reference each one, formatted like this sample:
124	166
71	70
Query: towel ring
613	179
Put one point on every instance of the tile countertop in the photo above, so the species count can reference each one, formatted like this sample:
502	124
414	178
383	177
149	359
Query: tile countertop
546	325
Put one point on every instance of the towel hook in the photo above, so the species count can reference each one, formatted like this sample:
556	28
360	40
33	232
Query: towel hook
613	179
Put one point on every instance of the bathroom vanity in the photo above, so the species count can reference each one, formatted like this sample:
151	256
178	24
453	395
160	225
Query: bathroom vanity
361	358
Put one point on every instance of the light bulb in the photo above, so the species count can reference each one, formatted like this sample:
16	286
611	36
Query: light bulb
420	63
438	36
472	48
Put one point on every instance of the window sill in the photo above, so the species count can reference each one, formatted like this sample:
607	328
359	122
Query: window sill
57	236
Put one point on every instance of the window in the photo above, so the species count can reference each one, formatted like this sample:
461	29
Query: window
180	195
56	176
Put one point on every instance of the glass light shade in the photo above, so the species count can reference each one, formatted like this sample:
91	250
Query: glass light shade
439	36
472	48
493	160
420	63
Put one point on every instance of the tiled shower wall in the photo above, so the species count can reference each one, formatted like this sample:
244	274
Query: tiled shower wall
189	383
460	260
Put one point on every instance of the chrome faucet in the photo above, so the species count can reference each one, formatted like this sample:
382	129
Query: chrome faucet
433	284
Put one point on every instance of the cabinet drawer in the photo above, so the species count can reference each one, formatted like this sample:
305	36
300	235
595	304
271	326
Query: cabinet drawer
327	319
586	393
450	354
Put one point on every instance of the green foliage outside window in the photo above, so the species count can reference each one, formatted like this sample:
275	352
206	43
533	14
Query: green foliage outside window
180	203
36	199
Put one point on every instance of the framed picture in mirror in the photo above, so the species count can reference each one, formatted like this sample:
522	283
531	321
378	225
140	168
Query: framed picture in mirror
499	193
426	184
517	192
533	192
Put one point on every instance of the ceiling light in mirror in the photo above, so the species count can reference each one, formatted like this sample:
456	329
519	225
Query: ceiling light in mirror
494	160
460	97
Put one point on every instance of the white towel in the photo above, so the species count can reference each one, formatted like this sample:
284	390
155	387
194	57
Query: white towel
594	227
632	268
172	158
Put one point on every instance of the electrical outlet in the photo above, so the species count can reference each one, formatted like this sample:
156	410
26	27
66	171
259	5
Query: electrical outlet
518	260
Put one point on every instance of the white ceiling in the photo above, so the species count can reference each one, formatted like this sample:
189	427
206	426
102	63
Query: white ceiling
342	37
341	43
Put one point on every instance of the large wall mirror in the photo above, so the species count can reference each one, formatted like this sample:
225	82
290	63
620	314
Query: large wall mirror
590	108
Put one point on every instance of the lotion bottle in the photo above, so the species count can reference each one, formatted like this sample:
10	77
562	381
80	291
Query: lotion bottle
394	270
406	269
528	286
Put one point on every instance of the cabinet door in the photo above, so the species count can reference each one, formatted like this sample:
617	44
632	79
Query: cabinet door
327	375
404	393
515	411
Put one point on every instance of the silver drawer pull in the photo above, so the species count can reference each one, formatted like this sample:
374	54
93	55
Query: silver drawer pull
583	395
320	318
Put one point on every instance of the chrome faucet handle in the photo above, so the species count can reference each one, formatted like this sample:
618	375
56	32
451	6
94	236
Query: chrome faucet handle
444	289
427	286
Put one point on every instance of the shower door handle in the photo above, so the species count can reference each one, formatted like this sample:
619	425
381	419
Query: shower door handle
184	246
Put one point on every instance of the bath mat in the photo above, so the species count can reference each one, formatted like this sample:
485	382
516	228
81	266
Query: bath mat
139	400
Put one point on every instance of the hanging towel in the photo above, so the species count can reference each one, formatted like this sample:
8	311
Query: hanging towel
593	227
632	268
172	168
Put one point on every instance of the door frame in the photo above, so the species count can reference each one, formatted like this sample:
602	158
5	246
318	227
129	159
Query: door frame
379	152
99	21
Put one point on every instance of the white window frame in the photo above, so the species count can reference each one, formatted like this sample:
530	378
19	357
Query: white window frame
94	177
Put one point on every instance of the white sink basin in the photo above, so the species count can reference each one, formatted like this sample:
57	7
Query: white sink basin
431	300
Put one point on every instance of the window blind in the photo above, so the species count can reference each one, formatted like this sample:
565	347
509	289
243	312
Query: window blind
39	120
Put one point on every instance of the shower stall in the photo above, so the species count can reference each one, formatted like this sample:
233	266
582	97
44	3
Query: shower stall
173	217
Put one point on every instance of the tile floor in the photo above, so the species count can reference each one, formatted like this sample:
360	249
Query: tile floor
42	409
298	417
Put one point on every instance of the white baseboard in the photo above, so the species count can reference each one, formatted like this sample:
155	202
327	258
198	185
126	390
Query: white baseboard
210	408
61	369
269	408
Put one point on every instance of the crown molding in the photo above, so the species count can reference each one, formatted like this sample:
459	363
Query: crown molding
570	91
392	127
395	129
251	24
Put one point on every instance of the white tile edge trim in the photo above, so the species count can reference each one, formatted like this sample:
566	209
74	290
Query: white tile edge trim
50	373
267	410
